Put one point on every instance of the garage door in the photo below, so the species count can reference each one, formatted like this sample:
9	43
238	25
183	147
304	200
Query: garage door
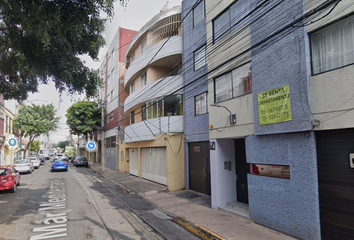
154	164
336	183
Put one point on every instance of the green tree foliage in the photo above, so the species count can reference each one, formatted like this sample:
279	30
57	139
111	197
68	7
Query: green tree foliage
41	40
36	120
62	144
35	146
83	117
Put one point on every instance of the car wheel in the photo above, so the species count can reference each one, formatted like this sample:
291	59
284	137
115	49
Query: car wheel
18	184
13	190
31	171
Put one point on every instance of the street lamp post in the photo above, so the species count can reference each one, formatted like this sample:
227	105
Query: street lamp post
21	131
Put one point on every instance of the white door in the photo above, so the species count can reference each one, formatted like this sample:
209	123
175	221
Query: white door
133	161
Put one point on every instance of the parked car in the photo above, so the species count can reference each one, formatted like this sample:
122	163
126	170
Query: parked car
24	165
36	162
60	155
9	178
80	161
59	164
51	154
41	157
73	158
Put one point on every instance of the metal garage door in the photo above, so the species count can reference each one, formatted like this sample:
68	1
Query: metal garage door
336	183
133	161
154	164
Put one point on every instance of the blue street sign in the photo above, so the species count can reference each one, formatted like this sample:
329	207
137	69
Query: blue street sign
91	146
12	142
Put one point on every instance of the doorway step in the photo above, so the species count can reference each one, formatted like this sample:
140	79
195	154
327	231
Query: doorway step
237	208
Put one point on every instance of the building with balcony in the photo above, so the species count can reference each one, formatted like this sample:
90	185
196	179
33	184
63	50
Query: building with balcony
154	138
112	97
197	160
8	111
285	69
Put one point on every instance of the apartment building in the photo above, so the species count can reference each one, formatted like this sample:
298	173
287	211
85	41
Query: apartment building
8	112
197	160
280	97
154	138
112	96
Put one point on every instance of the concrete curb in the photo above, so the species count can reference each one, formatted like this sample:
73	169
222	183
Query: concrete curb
196	229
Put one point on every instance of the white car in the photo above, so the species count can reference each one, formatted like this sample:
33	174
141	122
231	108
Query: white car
36	162
24	166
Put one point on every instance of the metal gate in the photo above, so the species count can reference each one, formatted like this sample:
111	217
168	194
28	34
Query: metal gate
133	161
199	167
336	183
111	152
154	164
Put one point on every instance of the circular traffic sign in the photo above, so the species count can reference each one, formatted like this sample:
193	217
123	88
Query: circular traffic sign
12	142
91	146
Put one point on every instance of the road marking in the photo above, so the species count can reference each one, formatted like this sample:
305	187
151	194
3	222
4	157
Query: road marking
56	199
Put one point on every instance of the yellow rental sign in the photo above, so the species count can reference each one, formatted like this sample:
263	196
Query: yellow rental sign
274	106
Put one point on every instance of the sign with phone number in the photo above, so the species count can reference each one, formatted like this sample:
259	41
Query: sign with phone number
274	106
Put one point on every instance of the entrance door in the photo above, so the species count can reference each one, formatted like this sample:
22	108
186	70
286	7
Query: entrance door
242	168
336	183
199	167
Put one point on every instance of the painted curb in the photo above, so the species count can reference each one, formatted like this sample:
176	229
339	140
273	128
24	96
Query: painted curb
196	229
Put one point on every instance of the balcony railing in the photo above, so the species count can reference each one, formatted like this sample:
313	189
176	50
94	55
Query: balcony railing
172	48
148	129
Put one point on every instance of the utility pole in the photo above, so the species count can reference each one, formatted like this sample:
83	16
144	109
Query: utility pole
103	140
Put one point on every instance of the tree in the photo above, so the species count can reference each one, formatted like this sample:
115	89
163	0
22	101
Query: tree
36	120
35	146
62	144
42	40
83	117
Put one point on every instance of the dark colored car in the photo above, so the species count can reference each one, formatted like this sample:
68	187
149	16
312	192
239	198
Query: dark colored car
9	178
41	158
59	164
73	158
80	161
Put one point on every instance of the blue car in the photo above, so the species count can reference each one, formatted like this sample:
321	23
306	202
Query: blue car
59	164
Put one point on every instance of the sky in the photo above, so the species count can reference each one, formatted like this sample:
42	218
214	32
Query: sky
134	16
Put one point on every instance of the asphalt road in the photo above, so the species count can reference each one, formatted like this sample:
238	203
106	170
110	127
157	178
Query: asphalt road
79	204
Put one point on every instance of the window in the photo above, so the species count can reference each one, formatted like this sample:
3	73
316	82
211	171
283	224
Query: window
198	13
143	45
176	70
112	95
108	79
230	20
233	84
107	118
132	57
132	117
112	74
201	104
113	54
278	171
167	106
143	79
111	117
132	88
108	97
199	58
333	46
143	113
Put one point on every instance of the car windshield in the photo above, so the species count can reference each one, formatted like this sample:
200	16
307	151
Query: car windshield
4	171
21	161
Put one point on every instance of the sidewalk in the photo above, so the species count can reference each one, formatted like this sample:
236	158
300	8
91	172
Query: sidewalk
192	210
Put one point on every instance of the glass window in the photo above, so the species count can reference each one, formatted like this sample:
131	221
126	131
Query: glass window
143	113
132	57
172	105
132	117
333	46
238	13
107	118
234	83
112	95
198	13
143	79
278	171
132	88
201	104
221	26
111	117
112	74
223	87
199	58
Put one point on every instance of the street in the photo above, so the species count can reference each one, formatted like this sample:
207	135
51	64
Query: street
79	204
